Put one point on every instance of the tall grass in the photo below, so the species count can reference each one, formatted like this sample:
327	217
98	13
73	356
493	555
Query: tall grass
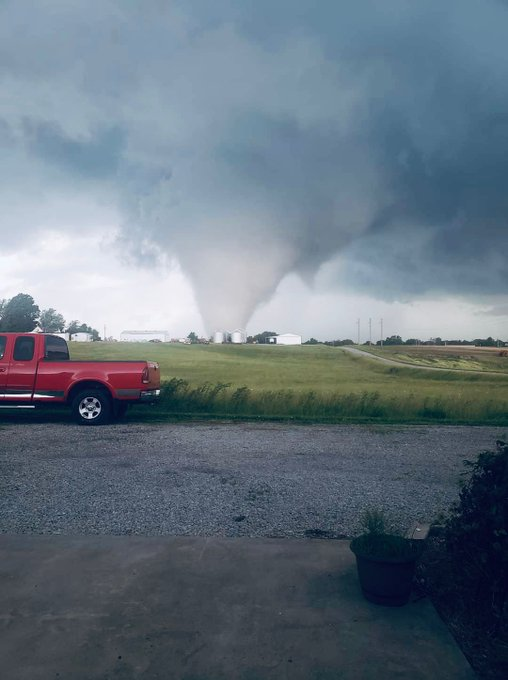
179	397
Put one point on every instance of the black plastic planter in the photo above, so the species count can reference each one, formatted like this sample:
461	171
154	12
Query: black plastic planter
385	580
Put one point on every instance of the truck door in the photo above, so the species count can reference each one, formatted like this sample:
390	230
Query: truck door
22	369
3	365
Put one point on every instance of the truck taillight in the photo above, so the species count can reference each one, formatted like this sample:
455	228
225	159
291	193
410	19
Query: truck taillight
145	378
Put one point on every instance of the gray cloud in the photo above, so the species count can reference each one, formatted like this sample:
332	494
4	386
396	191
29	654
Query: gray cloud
497	310
250	140
96	157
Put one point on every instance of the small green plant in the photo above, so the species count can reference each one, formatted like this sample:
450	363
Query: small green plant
373	521
377	542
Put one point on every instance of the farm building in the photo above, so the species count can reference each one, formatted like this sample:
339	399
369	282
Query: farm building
144	336
285	339
81	337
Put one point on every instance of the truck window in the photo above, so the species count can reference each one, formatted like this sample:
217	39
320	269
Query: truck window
3	342
55	348
24	349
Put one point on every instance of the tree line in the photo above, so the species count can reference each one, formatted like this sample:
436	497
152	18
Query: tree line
262	338
390	340
478	342
397	340
20	314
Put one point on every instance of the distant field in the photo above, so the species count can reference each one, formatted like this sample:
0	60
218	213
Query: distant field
309	382
464	358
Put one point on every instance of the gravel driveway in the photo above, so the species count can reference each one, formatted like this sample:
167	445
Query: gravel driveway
220	479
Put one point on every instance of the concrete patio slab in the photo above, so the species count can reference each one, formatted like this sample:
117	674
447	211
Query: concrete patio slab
192	608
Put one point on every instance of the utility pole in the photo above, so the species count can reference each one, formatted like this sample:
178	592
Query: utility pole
104	336
370	331
381	332
358	324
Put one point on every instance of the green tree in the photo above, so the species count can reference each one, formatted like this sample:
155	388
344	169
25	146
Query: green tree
485	342
19	314
77	327
51	322
192	337
339	343
392	340
262	337
73	326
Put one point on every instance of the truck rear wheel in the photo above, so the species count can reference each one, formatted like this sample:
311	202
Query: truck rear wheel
91	407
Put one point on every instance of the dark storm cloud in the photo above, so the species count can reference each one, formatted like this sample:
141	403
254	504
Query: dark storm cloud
254	139
435	120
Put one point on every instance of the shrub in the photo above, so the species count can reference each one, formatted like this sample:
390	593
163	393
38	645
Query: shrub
477	538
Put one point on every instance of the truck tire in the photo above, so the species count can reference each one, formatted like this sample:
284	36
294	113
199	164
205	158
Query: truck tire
91	407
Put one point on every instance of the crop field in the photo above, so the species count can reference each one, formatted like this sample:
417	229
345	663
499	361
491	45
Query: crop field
442	356
316	383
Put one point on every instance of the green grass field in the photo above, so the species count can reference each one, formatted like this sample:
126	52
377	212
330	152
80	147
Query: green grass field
309	382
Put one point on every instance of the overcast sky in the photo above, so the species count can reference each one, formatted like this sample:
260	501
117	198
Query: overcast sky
288	165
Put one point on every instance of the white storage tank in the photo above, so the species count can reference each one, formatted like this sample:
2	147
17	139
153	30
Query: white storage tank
238	337
218	337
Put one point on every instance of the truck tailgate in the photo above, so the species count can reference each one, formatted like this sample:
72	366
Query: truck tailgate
154	376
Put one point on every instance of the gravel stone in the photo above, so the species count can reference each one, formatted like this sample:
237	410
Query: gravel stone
224	479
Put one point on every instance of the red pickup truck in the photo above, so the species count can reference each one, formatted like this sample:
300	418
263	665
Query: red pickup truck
35	368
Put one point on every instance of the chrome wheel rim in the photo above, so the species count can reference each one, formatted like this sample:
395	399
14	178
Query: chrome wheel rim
90	408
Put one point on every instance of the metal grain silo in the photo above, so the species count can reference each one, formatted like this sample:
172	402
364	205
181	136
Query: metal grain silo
238	337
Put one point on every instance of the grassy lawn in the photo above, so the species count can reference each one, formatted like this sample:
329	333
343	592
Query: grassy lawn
315	382
259	367
464	358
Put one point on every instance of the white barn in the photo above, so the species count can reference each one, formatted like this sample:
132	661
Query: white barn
144	336
285	339
81	337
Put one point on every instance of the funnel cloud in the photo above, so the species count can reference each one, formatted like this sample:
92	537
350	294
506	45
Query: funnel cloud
248	141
